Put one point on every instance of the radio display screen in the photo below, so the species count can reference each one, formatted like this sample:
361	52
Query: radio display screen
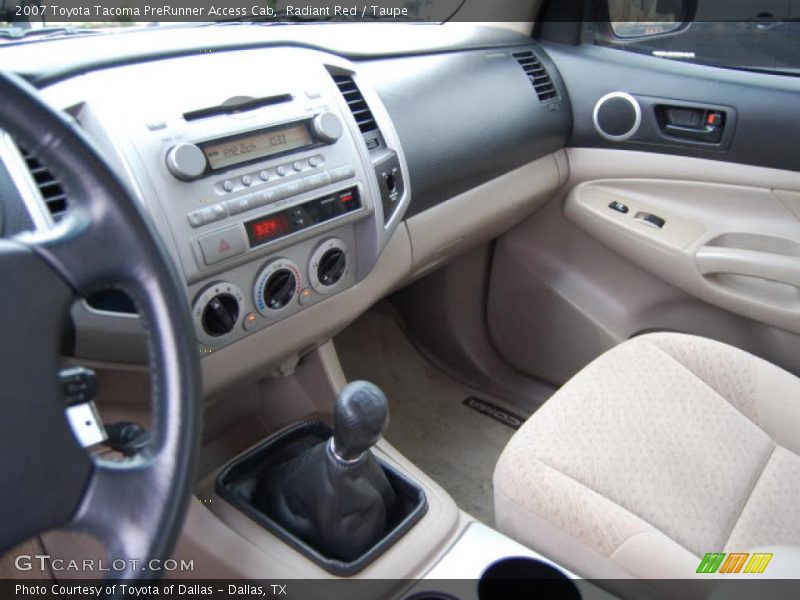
259	144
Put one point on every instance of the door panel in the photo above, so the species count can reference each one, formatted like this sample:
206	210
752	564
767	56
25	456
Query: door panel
681	213
732	246
575	278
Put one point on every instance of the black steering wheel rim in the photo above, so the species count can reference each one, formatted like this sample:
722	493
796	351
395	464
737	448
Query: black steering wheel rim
135	507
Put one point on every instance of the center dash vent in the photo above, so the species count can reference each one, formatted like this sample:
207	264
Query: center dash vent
356	103
52	193
537	75
360	109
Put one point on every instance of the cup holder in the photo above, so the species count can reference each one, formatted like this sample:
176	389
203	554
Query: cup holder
520	577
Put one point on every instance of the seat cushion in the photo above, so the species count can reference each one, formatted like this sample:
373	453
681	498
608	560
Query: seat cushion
665	448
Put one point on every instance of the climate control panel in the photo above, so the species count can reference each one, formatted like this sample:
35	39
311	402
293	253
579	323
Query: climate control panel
258	294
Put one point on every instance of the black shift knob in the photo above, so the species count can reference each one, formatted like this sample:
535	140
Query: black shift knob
359	419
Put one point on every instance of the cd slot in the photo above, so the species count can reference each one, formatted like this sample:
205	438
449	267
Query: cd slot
233	107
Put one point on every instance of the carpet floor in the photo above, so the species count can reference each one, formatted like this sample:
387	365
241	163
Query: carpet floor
454	444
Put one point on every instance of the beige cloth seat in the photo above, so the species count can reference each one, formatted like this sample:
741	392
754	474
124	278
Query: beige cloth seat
665	448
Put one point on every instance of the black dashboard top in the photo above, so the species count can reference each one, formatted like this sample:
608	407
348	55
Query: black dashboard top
46	61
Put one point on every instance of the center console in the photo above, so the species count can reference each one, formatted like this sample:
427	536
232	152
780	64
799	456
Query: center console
275	176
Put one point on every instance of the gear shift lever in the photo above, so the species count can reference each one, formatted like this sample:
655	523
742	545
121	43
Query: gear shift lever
335	496
360	418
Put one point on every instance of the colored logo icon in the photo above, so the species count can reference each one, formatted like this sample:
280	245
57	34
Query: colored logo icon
734	562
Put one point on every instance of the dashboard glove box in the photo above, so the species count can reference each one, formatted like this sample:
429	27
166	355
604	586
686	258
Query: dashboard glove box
238	483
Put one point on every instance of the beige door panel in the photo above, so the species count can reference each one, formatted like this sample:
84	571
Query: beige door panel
732	246
575	278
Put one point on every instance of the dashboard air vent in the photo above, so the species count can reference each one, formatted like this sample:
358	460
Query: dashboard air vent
356	103
537	75
50	188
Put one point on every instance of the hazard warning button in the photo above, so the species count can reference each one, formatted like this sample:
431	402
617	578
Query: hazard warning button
223	244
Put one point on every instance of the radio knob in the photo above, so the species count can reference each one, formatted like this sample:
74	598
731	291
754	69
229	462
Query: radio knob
327	127
186	161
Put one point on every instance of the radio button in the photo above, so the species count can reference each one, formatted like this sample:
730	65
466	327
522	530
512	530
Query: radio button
341	173
264	175
266	197
315	161
227	185
209	214
282	171
223	244
289	189
246	180
241	204
197	218
316	181
218	212
297	166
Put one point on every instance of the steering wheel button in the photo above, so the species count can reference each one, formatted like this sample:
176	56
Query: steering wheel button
223	244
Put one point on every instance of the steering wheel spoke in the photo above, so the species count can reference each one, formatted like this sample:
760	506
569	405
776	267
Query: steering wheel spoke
134	507
34	434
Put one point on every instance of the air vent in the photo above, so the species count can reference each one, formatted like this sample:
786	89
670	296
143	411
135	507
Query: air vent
356	103
537	75
50	188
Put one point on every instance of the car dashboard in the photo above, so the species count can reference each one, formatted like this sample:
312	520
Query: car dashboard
295	183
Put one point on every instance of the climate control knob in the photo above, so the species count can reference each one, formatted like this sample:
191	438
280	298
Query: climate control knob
186	161
220	315
276	286
217	311
328	265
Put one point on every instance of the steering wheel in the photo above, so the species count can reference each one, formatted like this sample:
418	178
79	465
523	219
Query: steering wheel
134	507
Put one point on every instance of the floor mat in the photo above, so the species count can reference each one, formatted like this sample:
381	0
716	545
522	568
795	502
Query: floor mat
455	444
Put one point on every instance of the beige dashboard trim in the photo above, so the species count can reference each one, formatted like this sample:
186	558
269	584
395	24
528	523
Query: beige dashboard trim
482	213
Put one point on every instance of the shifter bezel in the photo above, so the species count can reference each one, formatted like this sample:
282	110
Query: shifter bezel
237	481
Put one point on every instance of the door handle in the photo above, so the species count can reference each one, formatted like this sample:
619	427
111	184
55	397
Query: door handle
691	123
701	134
779	268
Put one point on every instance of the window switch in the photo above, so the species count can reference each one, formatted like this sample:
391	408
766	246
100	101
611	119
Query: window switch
619	207
650	220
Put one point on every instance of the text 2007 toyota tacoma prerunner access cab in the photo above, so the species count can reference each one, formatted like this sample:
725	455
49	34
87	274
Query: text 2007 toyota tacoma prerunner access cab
454	300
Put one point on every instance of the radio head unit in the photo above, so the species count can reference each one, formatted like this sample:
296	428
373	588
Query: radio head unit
190	161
